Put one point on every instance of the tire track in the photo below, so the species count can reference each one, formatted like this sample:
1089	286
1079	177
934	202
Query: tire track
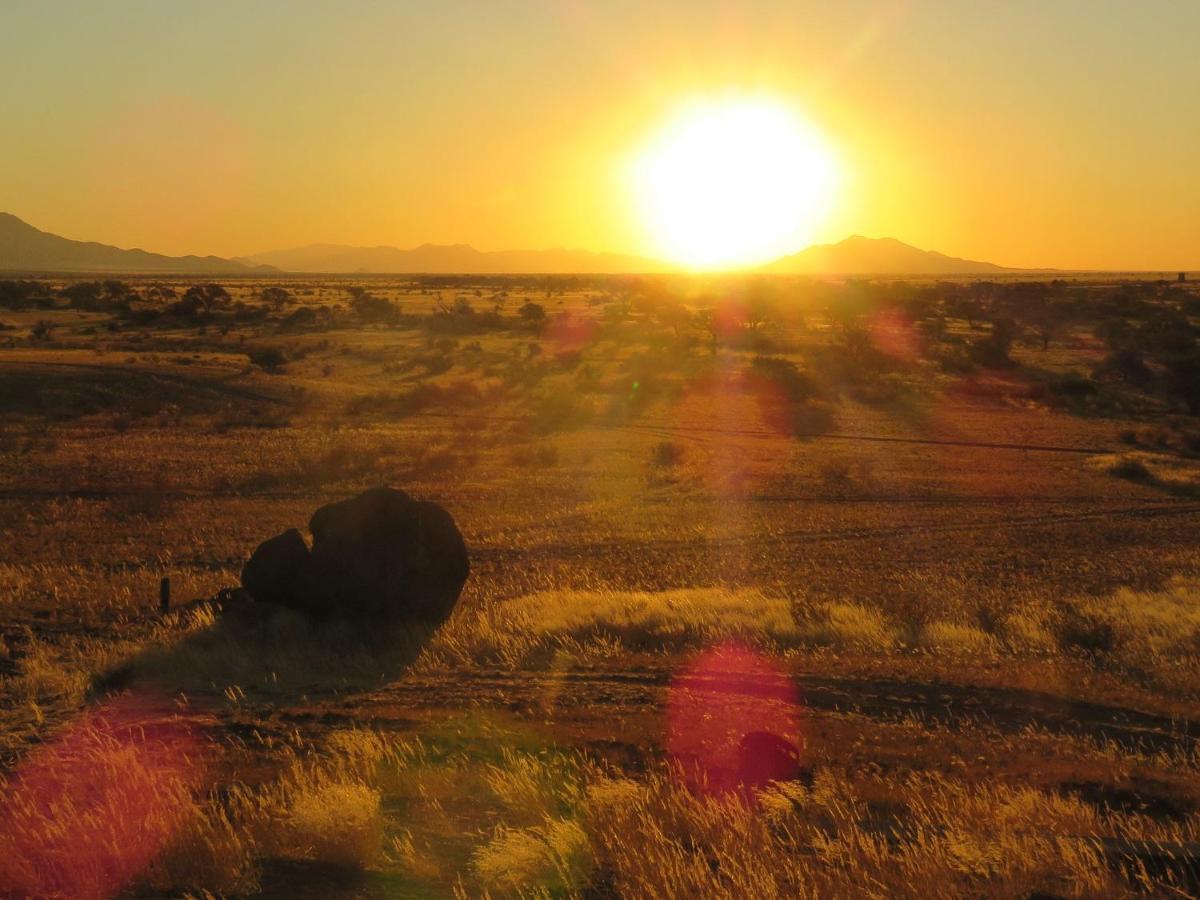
671	430
598	694
832	536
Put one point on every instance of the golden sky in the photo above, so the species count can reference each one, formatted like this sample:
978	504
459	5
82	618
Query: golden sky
1061	133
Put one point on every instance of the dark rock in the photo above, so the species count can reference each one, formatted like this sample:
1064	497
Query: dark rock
383	557
378	559
764	757
271	573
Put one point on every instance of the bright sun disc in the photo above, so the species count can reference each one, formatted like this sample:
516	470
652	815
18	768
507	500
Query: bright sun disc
733	182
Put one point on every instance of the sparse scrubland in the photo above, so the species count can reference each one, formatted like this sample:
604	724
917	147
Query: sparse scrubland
942	537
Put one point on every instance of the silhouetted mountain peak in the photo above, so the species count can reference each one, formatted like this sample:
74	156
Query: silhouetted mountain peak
860	255
26	248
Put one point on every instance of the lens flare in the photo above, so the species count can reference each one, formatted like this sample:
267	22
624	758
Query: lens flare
84	815
734	721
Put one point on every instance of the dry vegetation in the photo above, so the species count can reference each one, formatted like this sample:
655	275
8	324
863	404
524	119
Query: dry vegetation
959	519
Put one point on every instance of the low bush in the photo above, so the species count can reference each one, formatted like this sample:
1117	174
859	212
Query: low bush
667	454
271	360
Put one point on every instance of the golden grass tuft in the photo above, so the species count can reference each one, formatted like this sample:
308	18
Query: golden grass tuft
537	627
336	821
1176	474
553	859
849	626
1152	635
957	639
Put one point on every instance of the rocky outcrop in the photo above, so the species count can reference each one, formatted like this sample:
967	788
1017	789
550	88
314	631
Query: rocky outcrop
379	559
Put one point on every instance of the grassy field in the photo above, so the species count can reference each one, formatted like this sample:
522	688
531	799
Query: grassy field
942	540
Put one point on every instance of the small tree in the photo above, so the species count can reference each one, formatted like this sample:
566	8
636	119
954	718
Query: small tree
1049	320
994	350
675	316
277	296
370	308
207	297
84	295
20	294
270	359
115	289
532	314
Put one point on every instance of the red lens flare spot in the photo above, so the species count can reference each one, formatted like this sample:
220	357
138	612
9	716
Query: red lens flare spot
893	334
85	815
569	332
717	452
728	318
776	408
734	721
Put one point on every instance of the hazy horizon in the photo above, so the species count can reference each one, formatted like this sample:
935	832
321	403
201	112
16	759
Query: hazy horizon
1029	137
854	254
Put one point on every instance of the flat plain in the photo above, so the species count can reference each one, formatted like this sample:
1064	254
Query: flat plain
942	542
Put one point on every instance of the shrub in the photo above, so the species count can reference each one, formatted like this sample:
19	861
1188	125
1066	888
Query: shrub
812	418
791	401
1177	474
1183	381
532	314
1073	386
374	309
1130	468
277	296
271	360
993	351
560	411
1086	631
797	386
1125	365
667	454
394	404
882	390
18	295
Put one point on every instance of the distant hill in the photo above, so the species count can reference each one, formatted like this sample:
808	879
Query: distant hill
859	255
27	249
451	258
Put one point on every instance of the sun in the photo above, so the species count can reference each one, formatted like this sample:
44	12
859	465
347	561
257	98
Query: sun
733	182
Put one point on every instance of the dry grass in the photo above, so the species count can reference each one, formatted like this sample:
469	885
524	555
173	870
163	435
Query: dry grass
535	823
1175	474
1152	636
535	628
626	492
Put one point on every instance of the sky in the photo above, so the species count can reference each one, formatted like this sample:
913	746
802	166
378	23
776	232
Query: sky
1063	133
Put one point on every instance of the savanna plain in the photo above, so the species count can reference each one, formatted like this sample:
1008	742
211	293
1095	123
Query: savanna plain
935	542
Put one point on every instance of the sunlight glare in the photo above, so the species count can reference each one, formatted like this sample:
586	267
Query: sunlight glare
733	182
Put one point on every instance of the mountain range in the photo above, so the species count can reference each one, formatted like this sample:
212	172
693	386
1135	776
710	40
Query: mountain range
27	249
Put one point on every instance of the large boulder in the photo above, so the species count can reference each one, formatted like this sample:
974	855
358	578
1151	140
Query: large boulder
270	574
381	558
